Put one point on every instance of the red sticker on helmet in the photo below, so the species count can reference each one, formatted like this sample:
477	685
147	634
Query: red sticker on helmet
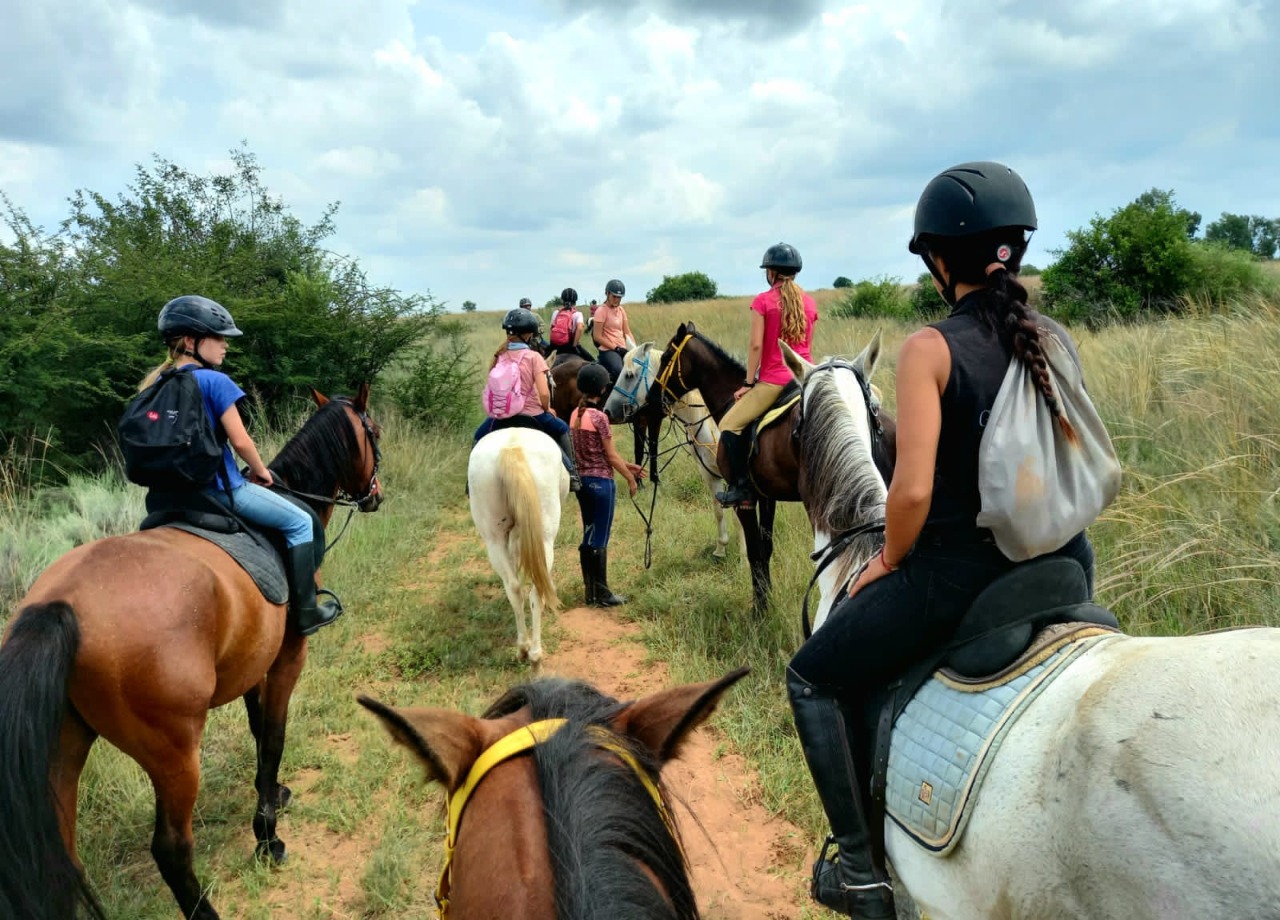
153	416
1004	253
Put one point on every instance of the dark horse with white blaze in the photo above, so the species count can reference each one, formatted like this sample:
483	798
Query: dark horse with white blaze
692	361
556	809
134	639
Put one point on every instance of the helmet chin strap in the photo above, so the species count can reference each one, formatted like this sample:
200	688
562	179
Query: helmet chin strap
948	287
196	354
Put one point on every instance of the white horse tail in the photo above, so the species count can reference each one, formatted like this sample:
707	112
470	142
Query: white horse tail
520	495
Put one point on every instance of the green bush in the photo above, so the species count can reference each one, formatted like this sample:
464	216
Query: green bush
1136	261
1028	271
881	296
842	282
1221	275
1255	234
439	391
926	302
681	288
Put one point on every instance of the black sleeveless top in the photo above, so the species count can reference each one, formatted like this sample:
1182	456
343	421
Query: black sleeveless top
979	362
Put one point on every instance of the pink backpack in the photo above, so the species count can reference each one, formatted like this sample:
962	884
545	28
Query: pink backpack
562	327
504	394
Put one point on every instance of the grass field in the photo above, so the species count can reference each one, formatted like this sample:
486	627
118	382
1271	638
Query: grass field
1190	545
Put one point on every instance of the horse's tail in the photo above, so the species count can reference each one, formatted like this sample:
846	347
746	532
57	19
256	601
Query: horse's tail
520	493
38	878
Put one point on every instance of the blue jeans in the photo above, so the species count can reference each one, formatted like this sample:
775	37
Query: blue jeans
544	422
595	500
261	506
899	619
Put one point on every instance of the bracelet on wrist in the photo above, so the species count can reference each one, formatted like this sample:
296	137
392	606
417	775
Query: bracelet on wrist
884	561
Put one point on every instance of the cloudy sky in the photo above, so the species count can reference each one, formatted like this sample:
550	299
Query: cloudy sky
489	149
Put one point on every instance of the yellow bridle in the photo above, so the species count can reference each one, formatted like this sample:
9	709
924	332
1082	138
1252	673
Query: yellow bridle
517	742
674	365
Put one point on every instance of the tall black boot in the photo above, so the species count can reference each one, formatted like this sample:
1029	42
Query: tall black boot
738	489
848	881
587	562
308	613
600	568
570	461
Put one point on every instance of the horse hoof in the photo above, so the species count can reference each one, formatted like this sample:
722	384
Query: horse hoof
273	850
286	796
522	654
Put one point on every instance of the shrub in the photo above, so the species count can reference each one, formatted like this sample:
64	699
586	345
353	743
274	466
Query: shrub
680	288
926	302
439	390
1028	271
842	282
882	296
1221	274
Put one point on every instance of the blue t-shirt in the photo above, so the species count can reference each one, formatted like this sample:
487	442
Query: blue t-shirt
220	394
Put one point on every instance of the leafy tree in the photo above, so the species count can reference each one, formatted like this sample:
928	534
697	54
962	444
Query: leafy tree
468	306
680	288
842	282
1252	234
1028	270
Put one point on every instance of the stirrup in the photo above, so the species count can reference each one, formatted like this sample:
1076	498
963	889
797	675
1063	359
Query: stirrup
736	497
869	899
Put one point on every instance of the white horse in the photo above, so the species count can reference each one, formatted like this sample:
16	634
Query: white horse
517	482
701	434
1141	784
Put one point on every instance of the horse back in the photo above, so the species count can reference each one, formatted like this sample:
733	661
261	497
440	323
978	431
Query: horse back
166	608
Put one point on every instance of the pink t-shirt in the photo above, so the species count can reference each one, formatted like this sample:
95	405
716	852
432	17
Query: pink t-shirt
588	442
608	331
531	365
773	369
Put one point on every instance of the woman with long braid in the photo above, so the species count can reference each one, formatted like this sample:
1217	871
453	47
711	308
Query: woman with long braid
784	312
972	226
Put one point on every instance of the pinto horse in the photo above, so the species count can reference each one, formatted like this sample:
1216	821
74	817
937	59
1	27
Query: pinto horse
135	638
1140	784
692	361
556	809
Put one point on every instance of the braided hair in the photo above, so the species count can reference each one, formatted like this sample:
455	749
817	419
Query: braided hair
992	260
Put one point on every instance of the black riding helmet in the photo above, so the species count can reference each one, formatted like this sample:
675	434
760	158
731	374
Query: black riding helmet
782	257
195	316
972	198
526	303
593	379
521	321
616	287
569	297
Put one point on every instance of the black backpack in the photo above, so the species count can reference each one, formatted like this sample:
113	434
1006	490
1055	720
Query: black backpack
166	438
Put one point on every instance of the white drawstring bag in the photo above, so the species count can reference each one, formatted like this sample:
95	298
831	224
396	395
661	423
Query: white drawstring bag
1039	485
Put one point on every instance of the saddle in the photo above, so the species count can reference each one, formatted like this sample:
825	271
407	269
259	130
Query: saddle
789	396
998	634
257	550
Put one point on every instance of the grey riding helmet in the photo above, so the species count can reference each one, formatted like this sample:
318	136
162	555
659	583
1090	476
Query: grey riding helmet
593	379
782	257
521	322
196	316
972	198
616	287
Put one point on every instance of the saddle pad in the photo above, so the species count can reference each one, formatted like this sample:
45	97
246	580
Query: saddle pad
263	565
943	743
778	411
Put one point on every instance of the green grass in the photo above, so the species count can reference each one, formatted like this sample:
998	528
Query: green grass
1191	544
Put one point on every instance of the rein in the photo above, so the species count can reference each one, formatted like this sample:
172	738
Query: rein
518	742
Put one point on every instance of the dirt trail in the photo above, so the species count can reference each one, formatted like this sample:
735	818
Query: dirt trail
746	863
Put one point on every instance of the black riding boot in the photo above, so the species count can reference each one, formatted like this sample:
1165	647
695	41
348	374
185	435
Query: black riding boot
738	481
308	613
600	569
847	881
587	562
570	461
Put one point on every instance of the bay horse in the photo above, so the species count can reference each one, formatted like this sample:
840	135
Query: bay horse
134	638
1140	784
556	808
517	483
692	361
630	397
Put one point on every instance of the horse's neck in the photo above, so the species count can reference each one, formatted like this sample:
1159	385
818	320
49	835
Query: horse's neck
833	579
722	381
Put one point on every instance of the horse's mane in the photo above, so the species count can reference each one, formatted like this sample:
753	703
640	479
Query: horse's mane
603	829
720	353
845	489
316	457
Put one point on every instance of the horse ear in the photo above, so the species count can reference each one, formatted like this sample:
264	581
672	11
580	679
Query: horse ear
446	742
361	401
866	361
646	347
689	328
662	721
681	332
799	366
319	397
